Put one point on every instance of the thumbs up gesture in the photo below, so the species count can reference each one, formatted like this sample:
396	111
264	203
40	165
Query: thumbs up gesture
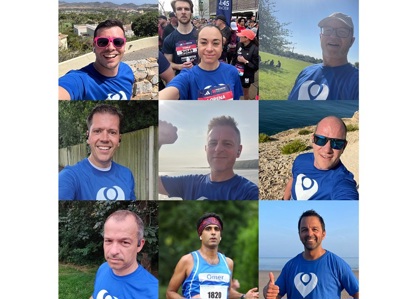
271	291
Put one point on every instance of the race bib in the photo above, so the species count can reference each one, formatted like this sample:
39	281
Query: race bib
216	93
241	68
187	51
213	292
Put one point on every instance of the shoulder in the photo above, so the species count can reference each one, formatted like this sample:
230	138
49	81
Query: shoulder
186	260
120	167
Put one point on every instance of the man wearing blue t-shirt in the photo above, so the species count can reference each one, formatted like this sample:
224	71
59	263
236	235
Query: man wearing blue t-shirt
335	78
107	78
121	276
321	175
98	177
316	272
222	149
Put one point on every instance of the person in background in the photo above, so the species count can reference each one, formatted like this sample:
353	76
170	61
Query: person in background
220	22
316	272
166	73
231	54
206	273
210	79
321	175
171	26
121	276
162	23
247	59
107	78
241	24
335	78
98	177
223	147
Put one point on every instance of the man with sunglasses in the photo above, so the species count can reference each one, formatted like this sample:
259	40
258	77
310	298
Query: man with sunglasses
335	78
107	78
321	175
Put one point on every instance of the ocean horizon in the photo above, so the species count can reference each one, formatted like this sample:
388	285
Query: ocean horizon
277	263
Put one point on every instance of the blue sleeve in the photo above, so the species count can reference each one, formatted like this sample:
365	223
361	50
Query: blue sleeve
66	185
73	84
345	189
181	82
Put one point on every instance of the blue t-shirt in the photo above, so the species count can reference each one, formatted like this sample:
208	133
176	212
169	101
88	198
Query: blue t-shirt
82	181
318	82
211	281
137	285
88	84
324	278
310	183
200	186
222	83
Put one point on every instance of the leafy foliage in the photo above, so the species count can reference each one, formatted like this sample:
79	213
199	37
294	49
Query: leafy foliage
352	127
146	24
72	125
263	138
81	225
304	132
294	146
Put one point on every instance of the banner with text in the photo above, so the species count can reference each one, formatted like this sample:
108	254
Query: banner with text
224	7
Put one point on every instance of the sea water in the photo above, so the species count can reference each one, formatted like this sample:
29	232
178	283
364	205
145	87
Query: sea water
277	263
279	116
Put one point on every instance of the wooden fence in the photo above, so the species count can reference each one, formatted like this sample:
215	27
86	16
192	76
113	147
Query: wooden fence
138	152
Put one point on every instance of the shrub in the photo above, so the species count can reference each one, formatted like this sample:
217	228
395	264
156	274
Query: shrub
294	146
263	138
351	127
304	132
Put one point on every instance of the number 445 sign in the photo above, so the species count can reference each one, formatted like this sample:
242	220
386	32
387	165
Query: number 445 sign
224	3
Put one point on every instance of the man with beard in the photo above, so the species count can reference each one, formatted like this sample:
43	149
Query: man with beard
206	273
105	79
180	46
321	175
316	272
121	276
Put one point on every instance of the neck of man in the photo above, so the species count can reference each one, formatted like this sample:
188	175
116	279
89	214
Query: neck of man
210	254
314	254
185	28
333	62
217	176
127	271
105	71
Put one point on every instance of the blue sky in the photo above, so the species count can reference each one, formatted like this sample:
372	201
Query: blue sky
139	2
278	234
304	16
192	118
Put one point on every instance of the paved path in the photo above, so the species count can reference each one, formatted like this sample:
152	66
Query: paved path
141	54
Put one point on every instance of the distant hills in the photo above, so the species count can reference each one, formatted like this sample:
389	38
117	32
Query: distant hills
103	5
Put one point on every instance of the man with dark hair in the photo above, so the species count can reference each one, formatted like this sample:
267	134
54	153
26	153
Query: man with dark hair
121	276
316	272
222	149
98	177
171	26
206	273
107	78
321	175
220	22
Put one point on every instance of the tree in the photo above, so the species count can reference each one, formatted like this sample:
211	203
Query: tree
273	35
146	24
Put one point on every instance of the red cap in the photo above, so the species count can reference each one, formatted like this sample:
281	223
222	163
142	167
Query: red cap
248	33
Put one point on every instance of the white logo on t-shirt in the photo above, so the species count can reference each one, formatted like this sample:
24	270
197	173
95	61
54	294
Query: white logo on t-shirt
305	283
305	187
102	293
110	193
310	90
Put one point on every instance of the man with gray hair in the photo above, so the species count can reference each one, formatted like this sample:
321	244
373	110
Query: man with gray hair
335	78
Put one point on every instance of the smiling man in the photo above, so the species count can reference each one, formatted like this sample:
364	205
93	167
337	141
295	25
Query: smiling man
98	177
222	149
105	79
121	276
321	175
335	78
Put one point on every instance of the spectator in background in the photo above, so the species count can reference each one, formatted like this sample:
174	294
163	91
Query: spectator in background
241	24
171	26
220	22
166	72
335	78
231	54
162	23
107	78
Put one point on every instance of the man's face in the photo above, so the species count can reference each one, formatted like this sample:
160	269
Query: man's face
311	232
211	236
121	245
183	12
325	157
103	138
161	21
222	149
335	47
210	45
108	58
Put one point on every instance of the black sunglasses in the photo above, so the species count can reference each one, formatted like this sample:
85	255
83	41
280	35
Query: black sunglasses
102	42
336	144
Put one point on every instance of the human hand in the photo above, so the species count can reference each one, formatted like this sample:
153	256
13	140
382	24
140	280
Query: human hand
235	284
252	293
167	133
187	65
272	289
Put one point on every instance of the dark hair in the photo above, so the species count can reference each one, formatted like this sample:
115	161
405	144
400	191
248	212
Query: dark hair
312	213
240	19
207	215
109	24
224	121
211	26
122	214
104	108
187	1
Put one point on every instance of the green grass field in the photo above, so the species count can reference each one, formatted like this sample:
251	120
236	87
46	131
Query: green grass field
276	83
75	282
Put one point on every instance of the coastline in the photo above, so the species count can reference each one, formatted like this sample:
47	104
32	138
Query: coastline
264	279
276	168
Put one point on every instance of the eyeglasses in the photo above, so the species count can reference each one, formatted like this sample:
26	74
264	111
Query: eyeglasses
102	42
336	144
340	32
